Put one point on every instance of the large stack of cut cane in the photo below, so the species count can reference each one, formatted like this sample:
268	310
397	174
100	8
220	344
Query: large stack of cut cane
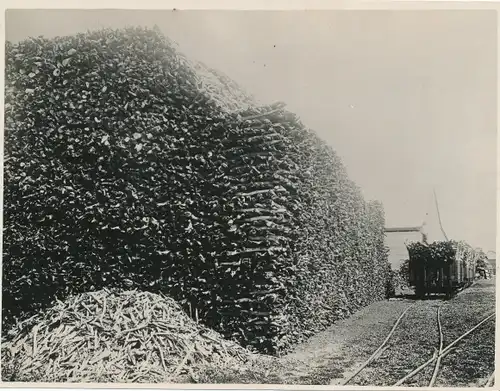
127	168
109	170
228	95
304	248
105	336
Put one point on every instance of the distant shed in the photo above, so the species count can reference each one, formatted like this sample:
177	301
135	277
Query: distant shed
396	239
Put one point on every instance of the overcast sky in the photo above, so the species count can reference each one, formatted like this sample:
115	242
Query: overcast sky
406	98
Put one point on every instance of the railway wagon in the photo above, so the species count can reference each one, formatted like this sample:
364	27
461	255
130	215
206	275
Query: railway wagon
441	267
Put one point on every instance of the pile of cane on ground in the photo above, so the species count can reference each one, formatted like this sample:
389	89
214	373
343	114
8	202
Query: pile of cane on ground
114	336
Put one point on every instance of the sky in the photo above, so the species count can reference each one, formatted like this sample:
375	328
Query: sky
406	98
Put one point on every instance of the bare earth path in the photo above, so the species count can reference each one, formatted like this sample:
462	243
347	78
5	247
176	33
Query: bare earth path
331	356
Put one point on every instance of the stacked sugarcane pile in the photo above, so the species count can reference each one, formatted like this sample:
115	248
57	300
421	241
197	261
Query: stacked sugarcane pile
443	252
123	170
108	170
120	336
303	247
228	95
437	253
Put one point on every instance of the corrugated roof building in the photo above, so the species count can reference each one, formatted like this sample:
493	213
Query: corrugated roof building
396	239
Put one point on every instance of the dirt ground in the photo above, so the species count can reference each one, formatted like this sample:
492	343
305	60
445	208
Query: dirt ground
331	356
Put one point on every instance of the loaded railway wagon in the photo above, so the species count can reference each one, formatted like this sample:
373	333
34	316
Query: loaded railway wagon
441	267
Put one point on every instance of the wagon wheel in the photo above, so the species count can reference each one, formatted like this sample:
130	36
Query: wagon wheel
449	291
420	291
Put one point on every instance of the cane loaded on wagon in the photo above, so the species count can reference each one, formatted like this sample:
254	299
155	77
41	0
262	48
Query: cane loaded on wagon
441	267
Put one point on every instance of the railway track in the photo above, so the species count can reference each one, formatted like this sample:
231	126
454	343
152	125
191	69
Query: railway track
440	352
